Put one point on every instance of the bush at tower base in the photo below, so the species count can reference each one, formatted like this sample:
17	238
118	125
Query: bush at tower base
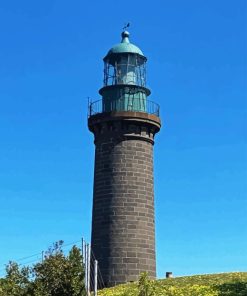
224	284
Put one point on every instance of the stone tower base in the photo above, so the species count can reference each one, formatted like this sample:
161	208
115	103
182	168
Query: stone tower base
123	230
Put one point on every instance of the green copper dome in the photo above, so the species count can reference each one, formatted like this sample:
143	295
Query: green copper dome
125	46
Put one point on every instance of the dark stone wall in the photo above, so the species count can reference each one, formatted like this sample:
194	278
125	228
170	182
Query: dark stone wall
123	230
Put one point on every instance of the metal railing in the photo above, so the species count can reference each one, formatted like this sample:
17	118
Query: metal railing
135	105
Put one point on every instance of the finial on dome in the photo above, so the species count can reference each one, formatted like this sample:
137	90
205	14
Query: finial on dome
125	34
125	37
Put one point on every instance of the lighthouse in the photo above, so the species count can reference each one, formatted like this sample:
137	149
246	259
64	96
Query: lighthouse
124	123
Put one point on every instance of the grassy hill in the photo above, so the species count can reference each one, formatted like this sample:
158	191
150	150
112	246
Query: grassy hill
224	284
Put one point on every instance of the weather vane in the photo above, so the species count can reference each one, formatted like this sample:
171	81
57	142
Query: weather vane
126	26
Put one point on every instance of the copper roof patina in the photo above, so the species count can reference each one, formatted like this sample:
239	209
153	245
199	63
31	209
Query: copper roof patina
125	46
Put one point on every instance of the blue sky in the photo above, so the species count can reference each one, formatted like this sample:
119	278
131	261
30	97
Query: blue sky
51	61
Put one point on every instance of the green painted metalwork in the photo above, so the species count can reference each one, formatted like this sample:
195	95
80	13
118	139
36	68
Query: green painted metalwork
125	46
97	107
124	78
124	99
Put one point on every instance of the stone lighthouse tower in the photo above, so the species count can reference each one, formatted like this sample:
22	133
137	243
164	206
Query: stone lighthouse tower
124	123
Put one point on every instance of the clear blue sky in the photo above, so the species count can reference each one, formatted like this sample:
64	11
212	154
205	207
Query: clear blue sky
51	61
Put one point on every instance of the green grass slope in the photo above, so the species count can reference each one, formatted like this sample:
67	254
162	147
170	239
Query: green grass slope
224	284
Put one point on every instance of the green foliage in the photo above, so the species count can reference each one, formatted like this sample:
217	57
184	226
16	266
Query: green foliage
145	287
61	275
232	289
226	284
57	275
16	282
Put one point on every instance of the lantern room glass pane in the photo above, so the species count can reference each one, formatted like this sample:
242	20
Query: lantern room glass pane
125	69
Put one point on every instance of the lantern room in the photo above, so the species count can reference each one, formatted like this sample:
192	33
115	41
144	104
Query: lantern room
125	64
124	78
